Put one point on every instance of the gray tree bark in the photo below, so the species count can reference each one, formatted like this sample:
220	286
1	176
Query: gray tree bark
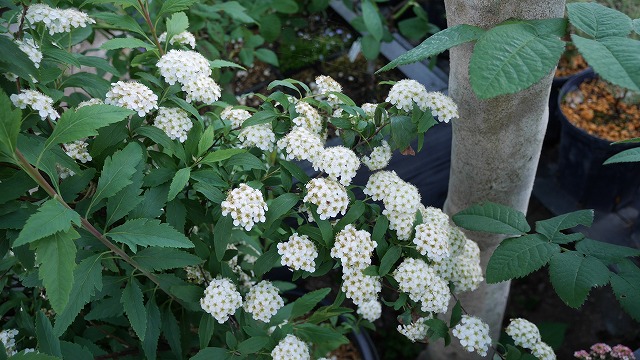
495	149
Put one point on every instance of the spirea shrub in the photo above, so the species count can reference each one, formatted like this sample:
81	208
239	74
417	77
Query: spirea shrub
143	216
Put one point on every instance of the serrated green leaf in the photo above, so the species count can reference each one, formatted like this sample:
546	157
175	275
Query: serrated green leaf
152	335
554	26
551	227
510	58
171	6
34	356
9	125
56	255
438	329
253	345
15	60
614	59
126	43
178	183
211	353
177	23
573	275
171	332
60	56
122	203
72	351
158	259
220	155
517	257
52	217
133	303
87	278
597	20
219	63
436	44
372	19
308	301
609	253
149	232
626	287
629	155
120	22
402	131
117	172
389	259
493	218
48	342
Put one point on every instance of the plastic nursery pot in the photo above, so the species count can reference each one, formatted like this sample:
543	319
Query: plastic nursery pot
553	126
581	172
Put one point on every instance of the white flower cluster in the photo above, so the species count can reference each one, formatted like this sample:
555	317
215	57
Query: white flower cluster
353	247
245	205
174	122
339	162
359	287
36	101
185	38
416	331
328	195
301	144
369	109
7	337
235	116
57	20
370	310
379	157
78	150
422	284
193	72
473	334
291	348
524	333
260	136
543	351
407	92
221	299
263	301
132	95
197	275
89	102
432	240
463	270
308	117
326	84
298	253
29	47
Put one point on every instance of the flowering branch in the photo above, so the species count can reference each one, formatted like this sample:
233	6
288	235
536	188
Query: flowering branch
147	19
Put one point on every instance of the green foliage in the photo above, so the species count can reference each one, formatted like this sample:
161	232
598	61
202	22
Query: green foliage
52	217
56	255
148	232
493	218
629	155
518	257
573	275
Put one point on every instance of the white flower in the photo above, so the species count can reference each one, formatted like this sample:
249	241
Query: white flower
197	275
235	116
203	89
359	287
291	348
174	122
523	333
416	331
29	47
328	195
183	66
457	241
369	109
473	334
326	84
353	247
89	102
184	37
339	162
370	310
380	183
463	270
422	284
263	301
441	106
407	92
221	299
379	157
7	337
132	95
57	20
300	144
245	205
298	253
260	136
432	240
78	150
37	101
308	117
543	351
64	172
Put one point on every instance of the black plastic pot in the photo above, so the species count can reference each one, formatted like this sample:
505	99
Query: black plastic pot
581	155
553	127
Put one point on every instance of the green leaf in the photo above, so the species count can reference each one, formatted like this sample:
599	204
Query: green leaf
247	161
122	203
629	155
82	123
517	257
52	217
158	259
372	20
56	256
510	58
551	227
34	356
205	329
178	183
437	329
126	43
626	286
15	60
279	207
72	351
606	252
171	332
436	44
415	28
9	125
573	275
133	303
325	338
267	261
120	22
261	117
220	155
48	342
171	6
294	170
598	21
117	172
176	24
222	235
87	278
354	213
554	26
456	314
636	26
60	56
206	141
389	259
308	301
285	6
149	232
267	56
219	63
232	8
152	335
402	131
270	27
614	59
370	47
253	345
492	218
211	353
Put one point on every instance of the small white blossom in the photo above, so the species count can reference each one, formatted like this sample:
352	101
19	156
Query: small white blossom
416	331
308	117
221	299
183	66
380	183
379	157
432	240
78	150
132	95
353	247
339	162
235	116
57	20
291	348
422	284
260	136
370	310
185	38
203	89
298	253
37	101
89	102
328	195
369	109
407	92
7	337
300	144
543	351
358	287
197	275
326	84
245	205
174	122
473	334
29	47
263	301
441	106
523	333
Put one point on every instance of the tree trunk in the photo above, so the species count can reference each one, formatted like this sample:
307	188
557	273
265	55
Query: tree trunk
496	146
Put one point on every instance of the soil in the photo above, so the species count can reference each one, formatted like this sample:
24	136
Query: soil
570	63
603	110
